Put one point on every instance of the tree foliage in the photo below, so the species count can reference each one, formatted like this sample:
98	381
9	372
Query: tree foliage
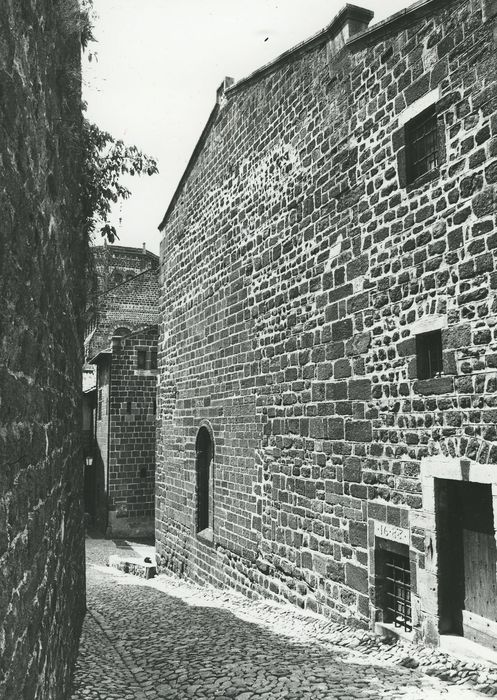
106	160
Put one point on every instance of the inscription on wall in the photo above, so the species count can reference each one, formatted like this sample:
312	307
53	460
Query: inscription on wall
391	532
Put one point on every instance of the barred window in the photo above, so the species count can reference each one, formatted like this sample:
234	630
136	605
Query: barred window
397	603
422	144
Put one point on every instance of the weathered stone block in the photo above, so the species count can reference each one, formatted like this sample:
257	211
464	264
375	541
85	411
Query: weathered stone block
456	336
484	204
358	534
342	330
358	344
407	347
437	385
358	431
360	389
356	577
342	369
352	469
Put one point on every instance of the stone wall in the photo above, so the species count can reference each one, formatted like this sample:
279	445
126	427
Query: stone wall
131	305
297	268
114	264
42	256
132	436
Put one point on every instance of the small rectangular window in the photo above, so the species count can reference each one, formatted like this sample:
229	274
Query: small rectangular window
429	354
141	359
99	405
421	144
153	359
397	601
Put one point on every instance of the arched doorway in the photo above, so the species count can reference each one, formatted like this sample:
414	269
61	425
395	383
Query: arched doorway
204	448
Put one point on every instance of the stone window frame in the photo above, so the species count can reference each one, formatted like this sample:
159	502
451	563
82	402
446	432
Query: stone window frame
205	534
427	324
400	143
453	469
380	534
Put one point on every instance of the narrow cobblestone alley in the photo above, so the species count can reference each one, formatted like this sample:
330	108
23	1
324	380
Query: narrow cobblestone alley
167	638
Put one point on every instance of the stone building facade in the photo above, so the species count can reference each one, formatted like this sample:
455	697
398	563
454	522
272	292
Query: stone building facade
119	401
126	294
42	253
328	348
115	264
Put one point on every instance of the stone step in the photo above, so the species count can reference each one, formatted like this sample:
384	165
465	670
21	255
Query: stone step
133	565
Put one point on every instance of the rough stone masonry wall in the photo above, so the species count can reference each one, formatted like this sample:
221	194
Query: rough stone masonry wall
131	305
42	255
109	259
132	437
295	266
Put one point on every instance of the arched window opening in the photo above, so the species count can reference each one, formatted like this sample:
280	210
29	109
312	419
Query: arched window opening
121	331
204	457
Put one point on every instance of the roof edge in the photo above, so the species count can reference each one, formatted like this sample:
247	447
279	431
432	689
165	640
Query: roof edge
108	351
189	167
124	249
348	12
415	10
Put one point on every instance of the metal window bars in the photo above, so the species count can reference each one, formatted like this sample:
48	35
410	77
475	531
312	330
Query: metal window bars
422	144
398	590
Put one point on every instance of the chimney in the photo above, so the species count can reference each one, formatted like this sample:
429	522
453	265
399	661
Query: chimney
227	82
144	245
349	21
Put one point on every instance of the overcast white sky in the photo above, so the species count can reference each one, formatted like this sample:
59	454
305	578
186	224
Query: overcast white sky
159	65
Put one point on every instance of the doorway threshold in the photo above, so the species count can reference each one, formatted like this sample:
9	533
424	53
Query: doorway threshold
467	650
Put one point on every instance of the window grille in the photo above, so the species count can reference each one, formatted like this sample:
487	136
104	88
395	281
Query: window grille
429	354
398	591
422	144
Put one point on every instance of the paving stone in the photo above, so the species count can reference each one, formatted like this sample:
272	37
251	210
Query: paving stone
169	638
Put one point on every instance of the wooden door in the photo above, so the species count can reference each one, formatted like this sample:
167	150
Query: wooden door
480	565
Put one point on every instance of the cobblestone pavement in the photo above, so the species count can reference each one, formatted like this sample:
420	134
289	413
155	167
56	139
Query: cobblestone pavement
167	638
